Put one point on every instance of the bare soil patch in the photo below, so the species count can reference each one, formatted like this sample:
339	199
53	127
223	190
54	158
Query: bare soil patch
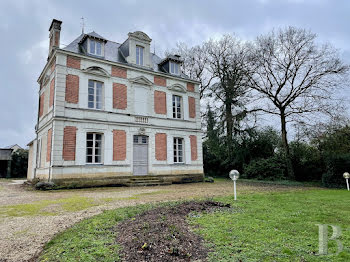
162	234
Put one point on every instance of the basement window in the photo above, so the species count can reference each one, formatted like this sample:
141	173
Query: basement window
93	148
178	150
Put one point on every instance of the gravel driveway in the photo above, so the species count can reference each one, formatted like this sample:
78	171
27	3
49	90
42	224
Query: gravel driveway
45	213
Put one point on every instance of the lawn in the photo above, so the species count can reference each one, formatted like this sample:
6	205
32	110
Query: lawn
262	226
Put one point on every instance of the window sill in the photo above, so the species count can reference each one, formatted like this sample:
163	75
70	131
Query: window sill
97	56
96	109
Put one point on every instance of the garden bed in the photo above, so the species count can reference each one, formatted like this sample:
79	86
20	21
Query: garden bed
162	234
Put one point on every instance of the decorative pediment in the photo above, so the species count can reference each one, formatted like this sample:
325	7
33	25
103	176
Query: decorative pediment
177	87
95	70
140	36
141	80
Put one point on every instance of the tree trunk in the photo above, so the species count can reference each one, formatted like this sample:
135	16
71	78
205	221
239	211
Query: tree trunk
229	126
290	171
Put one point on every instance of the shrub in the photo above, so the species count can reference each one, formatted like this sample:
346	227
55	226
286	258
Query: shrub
336	166
307	162
272	168
19	163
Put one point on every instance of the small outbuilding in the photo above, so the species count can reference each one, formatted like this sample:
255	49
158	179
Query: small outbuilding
5	162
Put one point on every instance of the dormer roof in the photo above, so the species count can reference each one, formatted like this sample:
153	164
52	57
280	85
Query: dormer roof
92	35
174	58
140	36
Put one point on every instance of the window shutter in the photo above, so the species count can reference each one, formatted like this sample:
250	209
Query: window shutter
120	99
192	106
194	154
119	145
161	146
72	89
160	102
69	143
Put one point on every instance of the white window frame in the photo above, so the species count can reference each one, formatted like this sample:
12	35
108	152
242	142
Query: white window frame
95	49
176	114
172	68
179	152
140	55
94	147
95	94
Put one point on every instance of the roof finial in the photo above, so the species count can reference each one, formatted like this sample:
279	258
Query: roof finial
82	24
154	46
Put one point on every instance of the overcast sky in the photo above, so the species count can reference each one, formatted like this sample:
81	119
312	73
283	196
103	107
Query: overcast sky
24	36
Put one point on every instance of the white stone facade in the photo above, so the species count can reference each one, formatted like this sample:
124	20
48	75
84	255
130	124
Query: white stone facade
138	118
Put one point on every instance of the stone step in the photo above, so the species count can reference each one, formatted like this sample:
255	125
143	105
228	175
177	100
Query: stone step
145	184
144	177
146	180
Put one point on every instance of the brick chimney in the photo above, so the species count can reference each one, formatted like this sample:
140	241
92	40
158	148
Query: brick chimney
55	31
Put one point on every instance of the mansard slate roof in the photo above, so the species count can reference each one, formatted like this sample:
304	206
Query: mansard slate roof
113	53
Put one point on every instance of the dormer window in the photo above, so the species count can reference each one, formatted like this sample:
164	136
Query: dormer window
139	55
95	47
174	68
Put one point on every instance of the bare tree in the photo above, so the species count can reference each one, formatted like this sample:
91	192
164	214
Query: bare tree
195	64
228	65
295	77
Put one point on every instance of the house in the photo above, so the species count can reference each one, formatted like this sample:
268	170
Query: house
113	113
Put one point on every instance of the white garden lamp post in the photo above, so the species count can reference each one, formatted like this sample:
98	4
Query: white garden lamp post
234	175
346	175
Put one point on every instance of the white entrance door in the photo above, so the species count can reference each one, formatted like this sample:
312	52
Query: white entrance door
140	154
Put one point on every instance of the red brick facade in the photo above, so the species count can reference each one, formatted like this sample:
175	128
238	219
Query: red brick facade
119	145
192	106
160	102
120	96
41	104
190	87
159	81
69	143
72	89
161	146
118	72
193	140
73	62
49	143
57	38
52	92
